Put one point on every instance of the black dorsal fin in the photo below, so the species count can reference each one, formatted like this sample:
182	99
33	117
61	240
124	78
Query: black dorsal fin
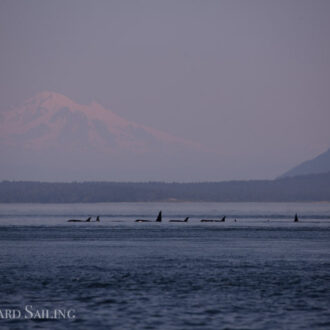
159	218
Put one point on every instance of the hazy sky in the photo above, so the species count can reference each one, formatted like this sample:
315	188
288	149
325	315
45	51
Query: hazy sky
248	78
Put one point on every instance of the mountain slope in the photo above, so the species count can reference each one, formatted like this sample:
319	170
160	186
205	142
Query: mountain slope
50	119
50	137
319	164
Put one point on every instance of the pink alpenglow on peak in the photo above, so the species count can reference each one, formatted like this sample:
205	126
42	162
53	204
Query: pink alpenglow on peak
50	137
49	118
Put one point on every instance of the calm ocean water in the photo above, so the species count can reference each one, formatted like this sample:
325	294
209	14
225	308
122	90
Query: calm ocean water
261	271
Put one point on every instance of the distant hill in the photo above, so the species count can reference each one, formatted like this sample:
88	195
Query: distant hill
319	164
305	188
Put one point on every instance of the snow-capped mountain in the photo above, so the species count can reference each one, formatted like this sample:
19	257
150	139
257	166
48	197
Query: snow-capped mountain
53	120
50	137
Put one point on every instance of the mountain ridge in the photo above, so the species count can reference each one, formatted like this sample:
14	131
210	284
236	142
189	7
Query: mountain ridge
51	137
317	165
42	118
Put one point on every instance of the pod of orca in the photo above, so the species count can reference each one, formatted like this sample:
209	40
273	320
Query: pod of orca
214	220
159	219
87	220
177	220
223	219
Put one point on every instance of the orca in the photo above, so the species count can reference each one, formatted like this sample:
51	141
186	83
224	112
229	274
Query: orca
79	220
159	218
296	218
213	220
97	219
185	220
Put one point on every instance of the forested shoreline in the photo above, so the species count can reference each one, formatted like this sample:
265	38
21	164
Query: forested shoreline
307	188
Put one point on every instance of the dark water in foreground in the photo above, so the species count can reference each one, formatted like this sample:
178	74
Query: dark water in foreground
261	272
